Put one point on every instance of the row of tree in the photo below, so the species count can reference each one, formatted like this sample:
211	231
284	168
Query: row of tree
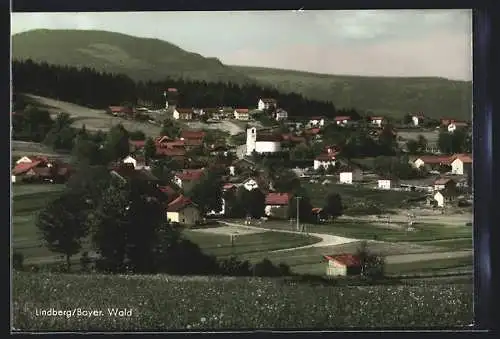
94	89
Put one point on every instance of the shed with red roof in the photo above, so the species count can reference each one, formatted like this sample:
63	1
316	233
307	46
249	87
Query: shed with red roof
343	265
183	211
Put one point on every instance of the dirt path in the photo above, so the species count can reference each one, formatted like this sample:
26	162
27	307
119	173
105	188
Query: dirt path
407	258
326	239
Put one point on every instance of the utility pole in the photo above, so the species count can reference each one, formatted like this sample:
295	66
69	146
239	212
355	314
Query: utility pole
298	211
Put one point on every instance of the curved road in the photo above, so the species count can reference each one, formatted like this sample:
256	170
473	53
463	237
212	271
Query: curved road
328	240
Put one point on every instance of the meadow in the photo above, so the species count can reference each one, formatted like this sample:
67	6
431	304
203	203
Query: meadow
354	196
168	303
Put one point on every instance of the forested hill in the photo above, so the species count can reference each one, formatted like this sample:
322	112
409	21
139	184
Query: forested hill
87	87
152	59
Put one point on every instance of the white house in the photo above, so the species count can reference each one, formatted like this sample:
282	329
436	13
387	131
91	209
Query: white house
266	103
182	114
417	119
316	122
462	165
342	120
350	177
444	183
24	159
241	114
343	265
376	121
439	198
250	184
452	126
387	184
324	160
281	114
138	163
262	143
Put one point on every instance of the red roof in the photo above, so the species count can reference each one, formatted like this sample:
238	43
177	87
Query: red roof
179	203
316	118
241	110
190	175
269	137
442	181
171	152
465	158
377	118
435	159
460	123
268	100
326	157
316	210
171	144
278	199
187	134
293	138
169	191
138	143
119	109
348	260
24	167
313	130
162	139
228	186
342	118
171	89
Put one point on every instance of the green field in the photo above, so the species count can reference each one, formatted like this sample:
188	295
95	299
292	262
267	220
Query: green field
201	303
153	59
353	195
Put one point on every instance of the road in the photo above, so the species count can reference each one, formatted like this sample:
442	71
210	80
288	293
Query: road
328	240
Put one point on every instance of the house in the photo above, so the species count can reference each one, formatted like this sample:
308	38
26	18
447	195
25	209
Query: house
262	143
266	103
280	114
250	184
169	192
431	161
241	165
349	177
452	127
192	134
316	121
444	183
376	121
40	169
342	120
187	177
461	164
387	184
136	145
343	265
136	161
126	172
226	112
441	198
182	114
120	111
276	200
319	214
423	184
212	113
324	160
241	114
26	159
417	119
183	211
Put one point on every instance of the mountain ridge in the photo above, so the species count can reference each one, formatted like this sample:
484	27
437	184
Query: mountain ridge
154	59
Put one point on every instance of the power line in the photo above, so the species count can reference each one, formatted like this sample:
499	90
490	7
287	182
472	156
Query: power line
298	211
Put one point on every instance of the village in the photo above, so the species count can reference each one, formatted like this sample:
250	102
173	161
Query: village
444	179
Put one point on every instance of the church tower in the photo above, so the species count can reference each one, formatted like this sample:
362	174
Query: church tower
251	140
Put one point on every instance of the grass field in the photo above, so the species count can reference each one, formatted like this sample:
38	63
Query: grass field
353	195
152	59
201	303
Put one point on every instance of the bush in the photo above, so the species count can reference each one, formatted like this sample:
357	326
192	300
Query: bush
18	261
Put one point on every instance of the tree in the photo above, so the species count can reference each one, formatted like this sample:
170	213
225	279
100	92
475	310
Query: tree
422	143
253	202
333	205
305	206
412	146
117	142
285	180
137	135
62	225
170	128
207	192
372	265
89	182
408	119
86	151
149	149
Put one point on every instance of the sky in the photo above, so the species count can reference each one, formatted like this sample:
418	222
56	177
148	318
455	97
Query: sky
357	42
